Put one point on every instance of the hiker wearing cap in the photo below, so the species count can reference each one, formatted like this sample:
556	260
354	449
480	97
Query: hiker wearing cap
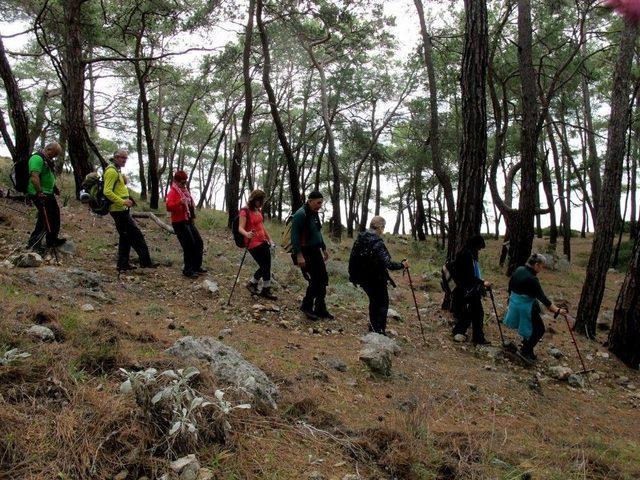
116	191
369	263
524	310
258	243
309	252
466	298
42	190
183	212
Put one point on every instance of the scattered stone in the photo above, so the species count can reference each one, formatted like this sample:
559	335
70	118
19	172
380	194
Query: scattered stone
605	319
229	367
316	475
604	355
391	313
211	286
576	381
490	351
383	342
320	376
336	364
28	260
630	386
87	307
41	332
67	248
559	372
6	264
179	465
122	475
624	381
391	332
205	474
458	337
555	353
351	382
377	359
225	332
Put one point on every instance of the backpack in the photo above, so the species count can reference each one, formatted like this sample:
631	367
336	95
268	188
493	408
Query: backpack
362	263
20	173
447	281
235	230
92	193
285	242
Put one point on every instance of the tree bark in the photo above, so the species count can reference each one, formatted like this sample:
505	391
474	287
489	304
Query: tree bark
608	209
473	152
624	337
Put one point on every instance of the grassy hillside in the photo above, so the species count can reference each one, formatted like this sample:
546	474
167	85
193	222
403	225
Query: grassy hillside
448	411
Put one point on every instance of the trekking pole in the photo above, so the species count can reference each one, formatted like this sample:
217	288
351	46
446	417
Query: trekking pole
48	227
415	302
237	276
495	310
575	344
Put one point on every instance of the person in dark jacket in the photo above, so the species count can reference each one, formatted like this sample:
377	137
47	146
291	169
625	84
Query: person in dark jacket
368	267
180	204
466	298
524	310
309	252
258	242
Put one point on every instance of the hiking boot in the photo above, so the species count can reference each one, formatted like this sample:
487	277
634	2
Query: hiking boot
59	242
459	337
125	268
481	342
202	270
190	274
252	287
150	265
528	355
266	293
324	314
309	313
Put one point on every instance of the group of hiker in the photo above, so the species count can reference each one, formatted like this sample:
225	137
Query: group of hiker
369	261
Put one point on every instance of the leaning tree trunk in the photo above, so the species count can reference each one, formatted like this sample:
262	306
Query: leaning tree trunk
242	142
473	152
294	181
624	337
609	207
521	225
143	178
19	147
73	92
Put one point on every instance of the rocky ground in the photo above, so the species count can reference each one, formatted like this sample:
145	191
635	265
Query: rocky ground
325	402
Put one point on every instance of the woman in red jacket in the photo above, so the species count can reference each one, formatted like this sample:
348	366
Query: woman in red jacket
258	242
182	208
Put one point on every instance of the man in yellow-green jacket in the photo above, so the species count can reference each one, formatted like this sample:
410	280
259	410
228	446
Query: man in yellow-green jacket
115	189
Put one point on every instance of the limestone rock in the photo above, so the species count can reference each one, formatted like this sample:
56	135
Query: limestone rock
41	332
576	381
205	474
211	286
228	366
391	313
87	307
559	372
380	341
180	464
28	260
67	248
336	364
377	359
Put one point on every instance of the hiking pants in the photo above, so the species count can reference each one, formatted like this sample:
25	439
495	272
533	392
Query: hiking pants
191	244
315	272
130	236
262	255
48	220
536	334
467	311
378	305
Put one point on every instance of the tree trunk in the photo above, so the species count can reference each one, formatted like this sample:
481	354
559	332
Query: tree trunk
624	337
73	92
593	162
548	193
608	209
294	182
473	152
143	178
434	129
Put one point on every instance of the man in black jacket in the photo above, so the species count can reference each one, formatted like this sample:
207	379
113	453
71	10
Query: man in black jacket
466	298
368	265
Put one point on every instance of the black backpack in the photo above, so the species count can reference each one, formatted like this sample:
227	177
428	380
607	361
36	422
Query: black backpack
447	274
92	193
20	173
235	229
362	262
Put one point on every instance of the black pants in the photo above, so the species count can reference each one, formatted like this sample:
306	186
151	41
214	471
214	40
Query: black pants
262	255
48	221
130	236
191	244
315	272
468	311
536	334
378	305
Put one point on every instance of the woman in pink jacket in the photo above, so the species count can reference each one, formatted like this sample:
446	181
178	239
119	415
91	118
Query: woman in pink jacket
182	208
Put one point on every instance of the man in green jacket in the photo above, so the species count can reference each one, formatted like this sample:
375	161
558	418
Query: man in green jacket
309	252
42	190
116	191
